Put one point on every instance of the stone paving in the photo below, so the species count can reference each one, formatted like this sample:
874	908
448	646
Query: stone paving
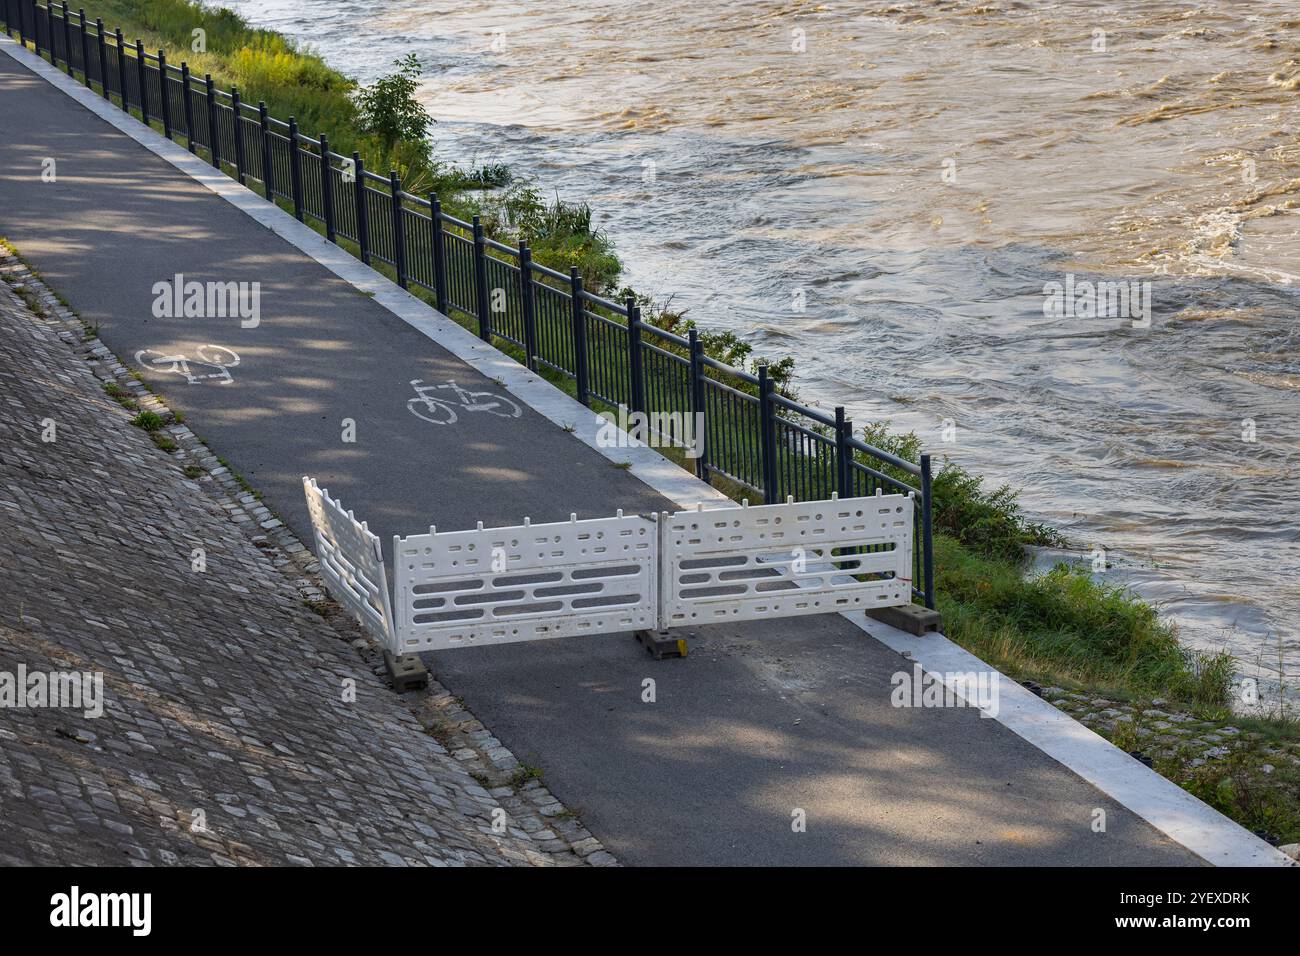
245	718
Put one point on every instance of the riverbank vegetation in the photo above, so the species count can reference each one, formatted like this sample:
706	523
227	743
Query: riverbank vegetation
1064	628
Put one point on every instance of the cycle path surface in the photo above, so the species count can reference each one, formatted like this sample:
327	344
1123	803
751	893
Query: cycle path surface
761	725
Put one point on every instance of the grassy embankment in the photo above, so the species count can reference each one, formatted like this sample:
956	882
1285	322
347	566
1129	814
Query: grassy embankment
1064	628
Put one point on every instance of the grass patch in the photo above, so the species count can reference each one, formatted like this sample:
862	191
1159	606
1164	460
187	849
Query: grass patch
320	608
1250	786
1062	627
243	482
1064	624
149	421
121	395
165	442
523	773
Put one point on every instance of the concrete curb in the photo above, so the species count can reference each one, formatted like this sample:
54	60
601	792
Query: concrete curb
1160	802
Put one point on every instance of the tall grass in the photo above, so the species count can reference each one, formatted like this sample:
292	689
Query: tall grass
295	81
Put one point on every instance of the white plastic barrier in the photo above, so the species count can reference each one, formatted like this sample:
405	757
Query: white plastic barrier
613	575
738	564
351	562
502	585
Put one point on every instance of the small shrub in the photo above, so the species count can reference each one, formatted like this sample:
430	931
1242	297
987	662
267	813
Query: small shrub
149	421
389	110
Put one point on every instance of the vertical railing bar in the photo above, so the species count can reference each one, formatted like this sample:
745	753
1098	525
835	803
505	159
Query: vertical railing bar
439	252
214	151
399	228
327	188
295	169
927	532
164	102
480	282
188	106
268	161
237	112
580	371
140	81
636	379
67	39
843	452
85	48
767	438
359	197
103	58
698	407
526	304
121	69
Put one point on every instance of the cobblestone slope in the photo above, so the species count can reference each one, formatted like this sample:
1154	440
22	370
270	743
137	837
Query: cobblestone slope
239	726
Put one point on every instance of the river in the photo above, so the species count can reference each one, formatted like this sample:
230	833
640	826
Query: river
886	191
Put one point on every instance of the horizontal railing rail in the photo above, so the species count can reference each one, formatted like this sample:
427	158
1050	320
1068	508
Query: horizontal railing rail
750	438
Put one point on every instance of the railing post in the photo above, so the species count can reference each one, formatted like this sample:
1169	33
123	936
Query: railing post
580	371
927	533
399	227
237	111
164	101
295	169
67	39
85	47
188	105
103	57
843	454
268	164
121	69
439	253
327	188
359	195
767	437
214	148
697	405
526	302
140	74
636	394
480	282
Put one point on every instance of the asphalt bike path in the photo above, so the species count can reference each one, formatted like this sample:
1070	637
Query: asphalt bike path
771	743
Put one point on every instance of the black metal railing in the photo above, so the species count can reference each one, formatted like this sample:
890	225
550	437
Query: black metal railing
753	438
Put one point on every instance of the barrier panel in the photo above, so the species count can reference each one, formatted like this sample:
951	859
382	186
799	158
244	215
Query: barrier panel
812	557
525	583
351	562
613	575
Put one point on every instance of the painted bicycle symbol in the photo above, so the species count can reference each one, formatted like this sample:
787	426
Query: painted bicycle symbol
209	362
442	410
